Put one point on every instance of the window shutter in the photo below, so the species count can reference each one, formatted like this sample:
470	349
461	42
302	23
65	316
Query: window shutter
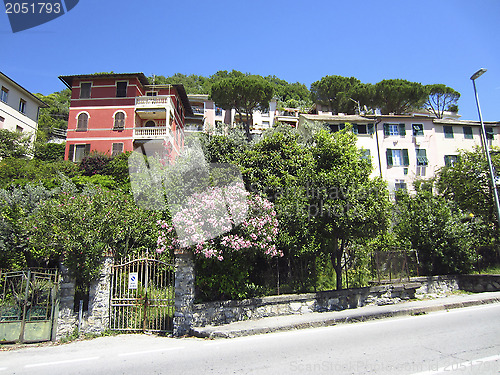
489	132
87	149
71	152
402	130
386	130
355	128
389	156
371	129
406	159
447	160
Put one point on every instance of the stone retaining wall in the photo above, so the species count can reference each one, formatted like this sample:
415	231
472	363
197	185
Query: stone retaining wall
224	312
217	313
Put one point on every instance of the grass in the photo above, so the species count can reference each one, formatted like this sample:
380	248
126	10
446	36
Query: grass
492	270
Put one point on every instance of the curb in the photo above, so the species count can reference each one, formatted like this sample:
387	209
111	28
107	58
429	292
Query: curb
220	332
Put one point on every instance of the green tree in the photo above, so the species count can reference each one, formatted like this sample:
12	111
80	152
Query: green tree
344	203
14	144
399	96
55	116
244	94
334	91
440	99
193	84
442	235
467	183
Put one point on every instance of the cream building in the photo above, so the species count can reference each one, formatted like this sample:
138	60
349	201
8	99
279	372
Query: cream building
404	148
18	107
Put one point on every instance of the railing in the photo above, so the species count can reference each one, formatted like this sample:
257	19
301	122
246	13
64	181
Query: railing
146	133
193	128
160	100
198	110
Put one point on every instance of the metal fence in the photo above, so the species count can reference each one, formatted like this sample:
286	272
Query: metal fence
142	295
394	265
28	302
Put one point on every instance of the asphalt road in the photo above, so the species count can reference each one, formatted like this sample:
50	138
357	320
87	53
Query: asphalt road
462	341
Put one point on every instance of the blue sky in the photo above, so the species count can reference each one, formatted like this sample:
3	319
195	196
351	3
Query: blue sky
438	41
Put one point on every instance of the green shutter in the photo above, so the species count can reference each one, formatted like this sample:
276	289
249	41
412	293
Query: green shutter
355	128
389	156
489	132
71	152
448	131
468	132
402	130
371	129
447	160
422	157
386	130
406	159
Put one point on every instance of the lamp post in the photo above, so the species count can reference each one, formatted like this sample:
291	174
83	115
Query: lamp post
476	75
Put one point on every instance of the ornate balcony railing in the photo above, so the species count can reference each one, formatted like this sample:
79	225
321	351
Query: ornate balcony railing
150	133
160	100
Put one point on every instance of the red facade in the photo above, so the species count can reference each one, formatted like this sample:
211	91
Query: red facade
113	113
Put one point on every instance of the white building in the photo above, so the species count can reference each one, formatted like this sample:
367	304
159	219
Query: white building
208	117
404	148
19	108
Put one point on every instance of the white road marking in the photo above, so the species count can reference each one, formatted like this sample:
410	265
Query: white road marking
61	362
150	351
460	366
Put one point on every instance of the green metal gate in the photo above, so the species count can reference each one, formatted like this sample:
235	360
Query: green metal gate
28	305
142	295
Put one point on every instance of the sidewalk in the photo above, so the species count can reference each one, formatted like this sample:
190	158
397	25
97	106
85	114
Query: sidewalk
310	320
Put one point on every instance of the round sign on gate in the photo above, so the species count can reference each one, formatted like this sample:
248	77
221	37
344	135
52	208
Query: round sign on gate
133	280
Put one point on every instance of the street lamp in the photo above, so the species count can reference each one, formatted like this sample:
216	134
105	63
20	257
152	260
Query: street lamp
476	75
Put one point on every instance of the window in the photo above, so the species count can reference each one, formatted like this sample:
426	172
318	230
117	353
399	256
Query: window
468	132
83	120
151	93
265	123
22	106
400	185
422	162
418	129
19	129
4	94
397	157
77	152
489	132
117	149
450	160
2	119
119	121
121	89
218	111
359	129
335	127
150	124
448	131
85	90
422	157
394	129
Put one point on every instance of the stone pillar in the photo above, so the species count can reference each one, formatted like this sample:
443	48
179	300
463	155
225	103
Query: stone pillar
99	299
184	291
66	321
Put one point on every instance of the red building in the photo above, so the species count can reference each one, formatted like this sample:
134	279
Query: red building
114	113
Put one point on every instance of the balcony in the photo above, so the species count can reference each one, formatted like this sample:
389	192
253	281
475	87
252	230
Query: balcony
193	128
198	110
150	132
153	101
